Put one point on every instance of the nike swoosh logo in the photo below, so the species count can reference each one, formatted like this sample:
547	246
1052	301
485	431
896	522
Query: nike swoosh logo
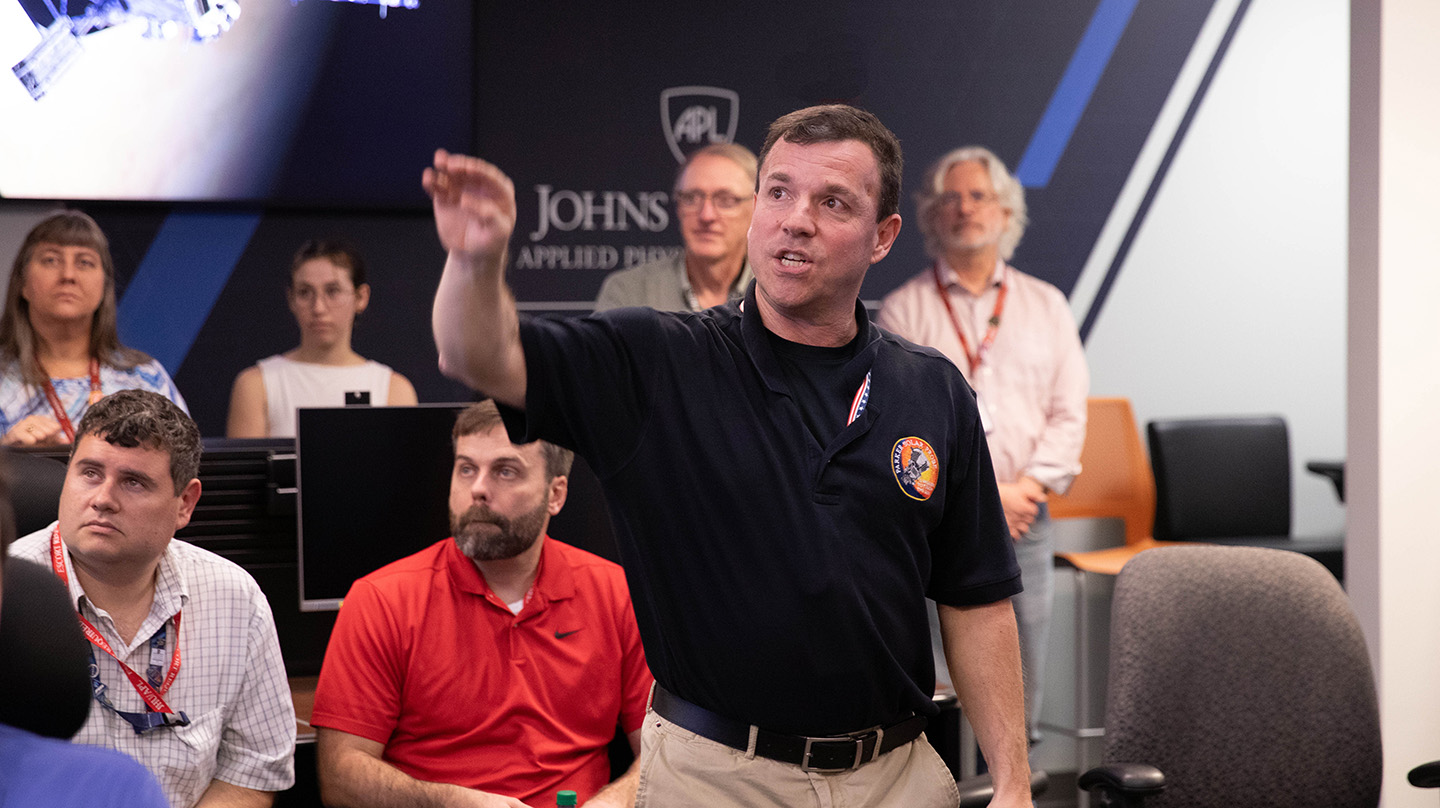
560	635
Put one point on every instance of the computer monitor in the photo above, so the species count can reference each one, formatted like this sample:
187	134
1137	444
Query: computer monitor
374	485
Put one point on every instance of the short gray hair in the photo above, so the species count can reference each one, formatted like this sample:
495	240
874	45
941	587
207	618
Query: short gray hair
1008	191
734	152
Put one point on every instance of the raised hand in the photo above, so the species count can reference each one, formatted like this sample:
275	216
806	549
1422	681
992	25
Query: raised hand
474	205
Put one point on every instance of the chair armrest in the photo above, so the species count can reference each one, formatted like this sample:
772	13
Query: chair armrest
1426	775
1123	785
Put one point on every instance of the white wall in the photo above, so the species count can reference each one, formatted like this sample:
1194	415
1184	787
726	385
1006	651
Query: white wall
1395	377
1232	299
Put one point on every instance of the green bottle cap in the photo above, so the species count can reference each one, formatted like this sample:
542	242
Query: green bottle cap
566	798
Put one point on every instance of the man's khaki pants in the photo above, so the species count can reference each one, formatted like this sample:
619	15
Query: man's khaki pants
681	769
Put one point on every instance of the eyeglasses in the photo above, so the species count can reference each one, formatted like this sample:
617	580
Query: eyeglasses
952	199
332	295
694	200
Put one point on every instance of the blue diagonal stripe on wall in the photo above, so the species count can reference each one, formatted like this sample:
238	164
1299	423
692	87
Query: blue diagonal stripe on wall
179	280
1073	92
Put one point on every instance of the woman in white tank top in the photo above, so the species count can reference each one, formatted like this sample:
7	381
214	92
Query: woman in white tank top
327	290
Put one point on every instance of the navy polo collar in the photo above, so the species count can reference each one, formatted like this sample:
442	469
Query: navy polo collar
753	332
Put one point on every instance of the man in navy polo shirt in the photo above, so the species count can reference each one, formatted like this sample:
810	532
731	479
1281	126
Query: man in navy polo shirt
779	572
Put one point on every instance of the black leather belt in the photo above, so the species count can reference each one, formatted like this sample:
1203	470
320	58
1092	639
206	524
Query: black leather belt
824	754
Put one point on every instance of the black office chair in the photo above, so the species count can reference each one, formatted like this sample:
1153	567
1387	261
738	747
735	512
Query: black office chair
35	483
44	658
1227	481
1238	676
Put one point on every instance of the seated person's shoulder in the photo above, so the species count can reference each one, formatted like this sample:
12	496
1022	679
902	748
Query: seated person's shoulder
248	416
620	278
34	547
591	569
250	382
655	284
402	392
420	566
577	557
47	771
214	573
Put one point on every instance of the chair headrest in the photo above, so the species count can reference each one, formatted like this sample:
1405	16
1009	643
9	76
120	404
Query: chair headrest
44	657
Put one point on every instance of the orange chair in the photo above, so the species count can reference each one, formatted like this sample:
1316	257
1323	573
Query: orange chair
1115	481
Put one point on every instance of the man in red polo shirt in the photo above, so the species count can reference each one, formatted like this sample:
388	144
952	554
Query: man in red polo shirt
492	668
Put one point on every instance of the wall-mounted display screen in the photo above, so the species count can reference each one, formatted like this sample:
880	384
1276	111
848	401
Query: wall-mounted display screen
307	102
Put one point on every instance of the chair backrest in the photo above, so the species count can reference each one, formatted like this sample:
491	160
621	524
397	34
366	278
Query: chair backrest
1115	478
35	483
44	662
1242	674
1221	477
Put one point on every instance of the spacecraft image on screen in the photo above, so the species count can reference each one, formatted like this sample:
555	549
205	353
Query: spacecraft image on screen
62	25
227	100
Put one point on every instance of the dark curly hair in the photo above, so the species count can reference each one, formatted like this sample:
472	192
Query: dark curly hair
140	418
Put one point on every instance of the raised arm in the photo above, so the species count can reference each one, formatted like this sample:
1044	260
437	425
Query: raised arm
982	649
476	327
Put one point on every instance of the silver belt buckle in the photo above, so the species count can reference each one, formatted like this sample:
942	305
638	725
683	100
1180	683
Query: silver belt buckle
809	744
858	738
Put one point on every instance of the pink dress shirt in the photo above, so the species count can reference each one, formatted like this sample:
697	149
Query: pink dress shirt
1033	381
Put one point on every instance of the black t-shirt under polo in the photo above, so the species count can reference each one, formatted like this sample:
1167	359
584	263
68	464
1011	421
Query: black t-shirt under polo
814	379
777	580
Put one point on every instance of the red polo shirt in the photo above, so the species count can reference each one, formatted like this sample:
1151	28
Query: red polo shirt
427	660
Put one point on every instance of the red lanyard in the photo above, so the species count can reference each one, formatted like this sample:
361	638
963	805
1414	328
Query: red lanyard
59	408
979	355
153	698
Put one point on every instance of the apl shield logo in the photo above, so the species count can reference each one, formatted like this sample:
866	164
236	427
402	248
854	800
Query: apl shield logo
698	116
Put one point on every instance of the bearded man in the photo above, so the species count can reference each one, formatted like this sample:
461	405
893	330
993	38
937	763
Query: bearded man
492	668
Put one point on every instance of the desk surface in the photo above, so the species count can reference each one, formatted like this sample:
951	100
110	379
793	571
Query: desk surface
302	691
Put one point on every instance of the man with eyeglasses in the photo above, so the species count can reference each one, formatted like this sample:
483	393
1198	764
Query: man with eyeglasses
1014	339
714	198
186	671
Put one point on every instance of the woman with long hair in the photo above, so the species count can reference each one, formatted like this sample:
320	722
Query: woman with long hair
59	348
327	291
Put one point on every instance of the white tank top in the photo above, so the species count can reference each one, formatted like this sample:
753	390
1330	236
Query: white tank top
290	384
